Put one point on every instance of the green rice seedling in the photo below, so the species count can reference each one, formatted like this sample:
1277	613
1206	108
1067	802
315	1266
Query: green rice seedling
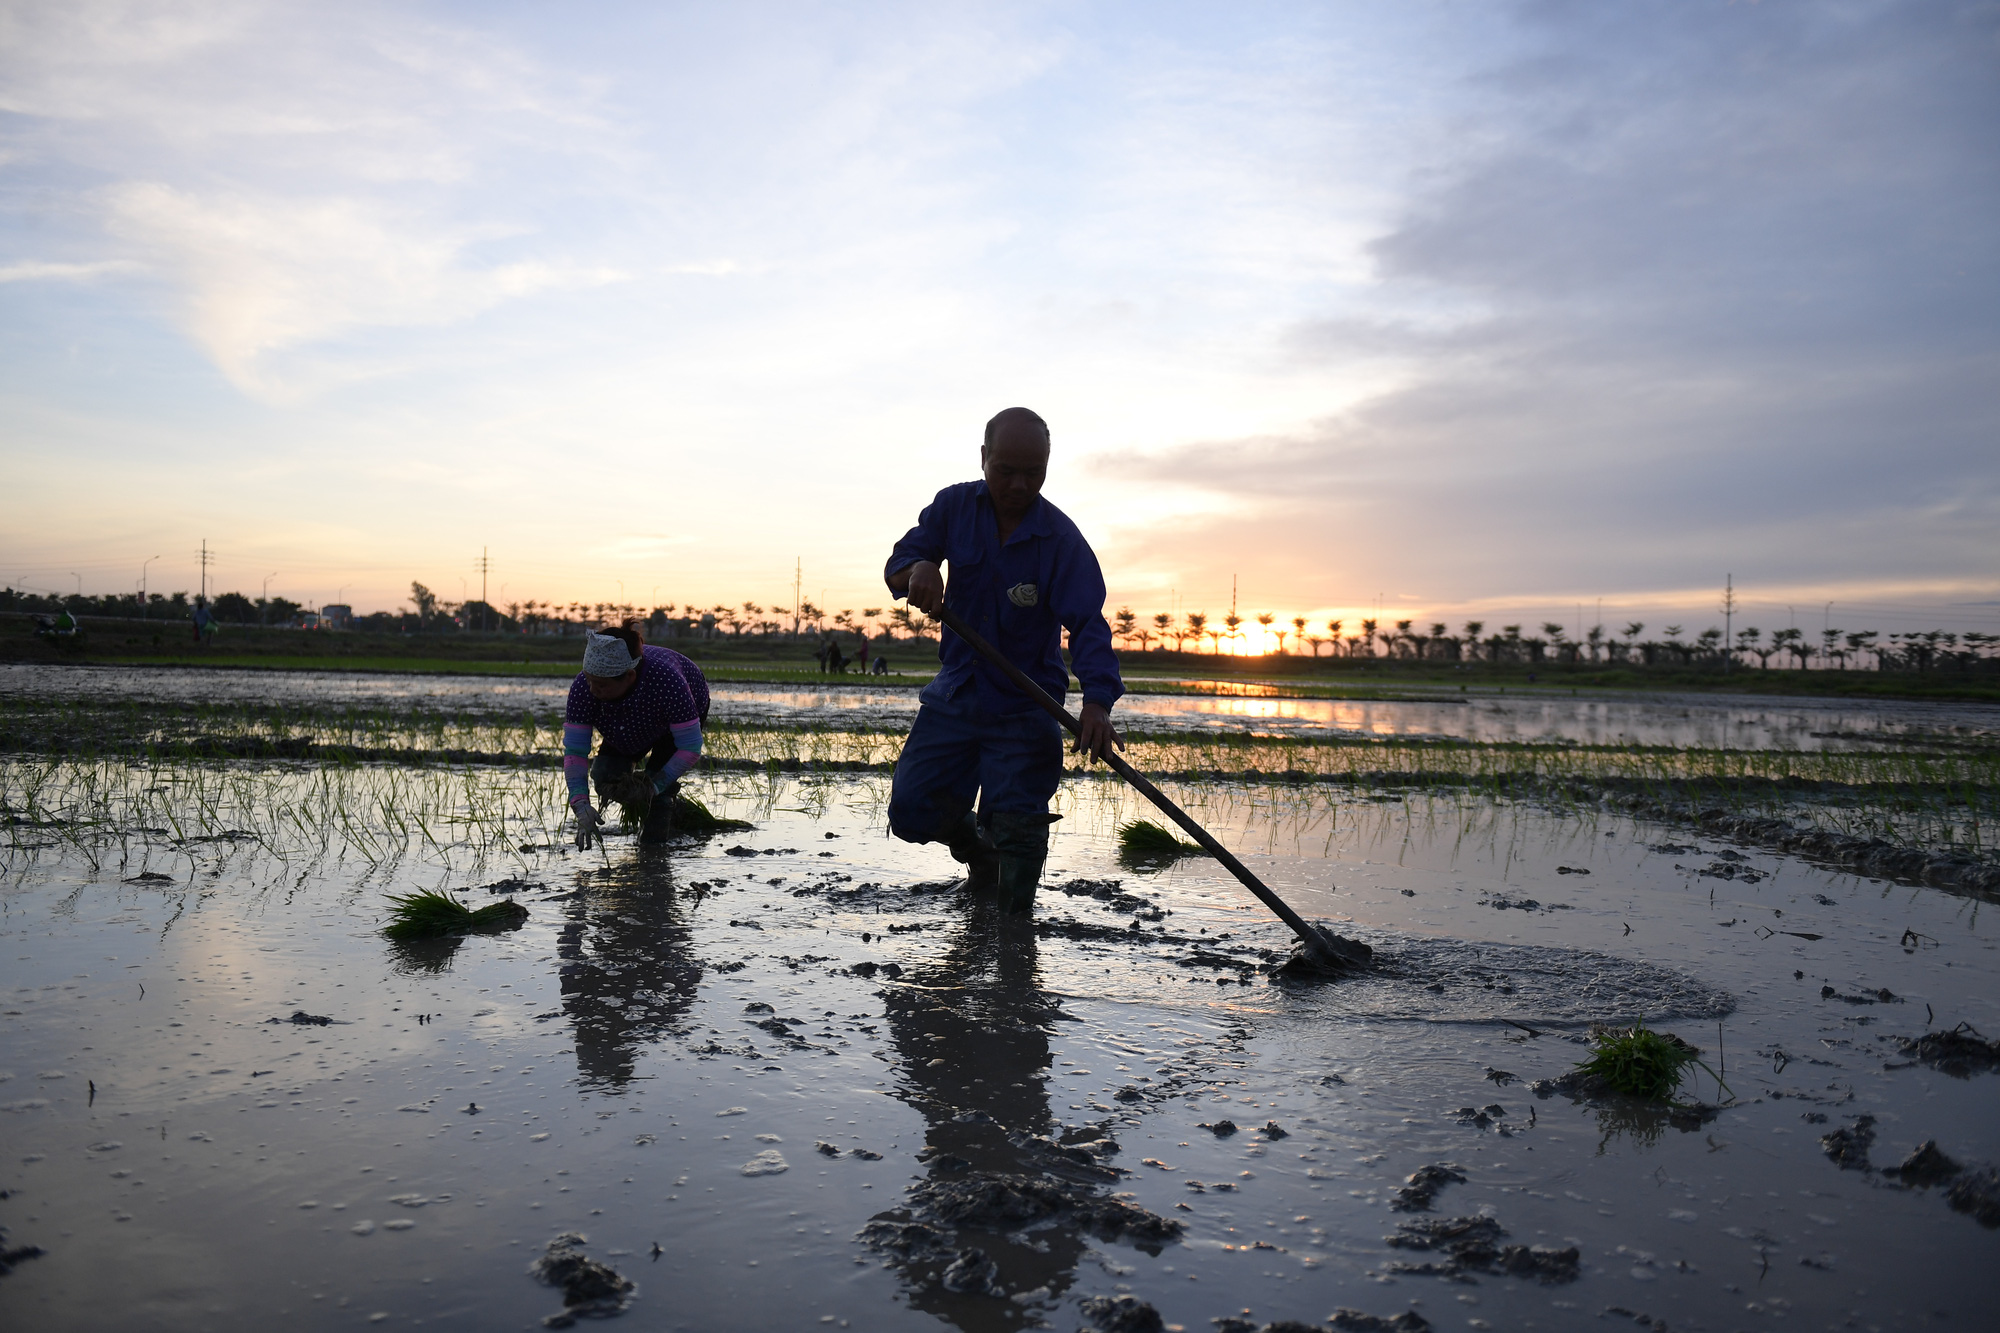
1643	1063
691	816
430	913
1143	840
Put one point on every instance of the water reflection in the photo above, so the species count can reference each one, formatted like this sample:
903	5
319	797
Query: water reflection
1002	1206
628	970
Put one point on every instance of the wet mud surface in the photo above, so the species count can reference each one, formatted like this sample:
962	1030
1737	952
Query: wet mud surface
796	1077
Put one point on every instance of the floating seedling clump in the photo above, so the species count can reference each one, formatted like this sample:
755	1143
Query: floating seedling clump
691	816
428	913
1640	1062
1142	840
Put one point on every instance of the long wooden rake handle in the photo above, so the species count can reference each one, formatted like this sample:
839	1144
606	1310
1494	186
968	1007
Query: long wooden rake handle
1311	936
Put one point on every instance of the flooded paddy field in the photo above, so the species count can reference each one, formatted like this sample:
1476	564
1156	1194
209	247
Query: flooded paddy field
1273	709
795	1077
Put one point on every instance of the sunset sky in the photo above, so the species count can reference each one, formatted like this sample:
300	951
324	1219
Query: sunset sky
1455	309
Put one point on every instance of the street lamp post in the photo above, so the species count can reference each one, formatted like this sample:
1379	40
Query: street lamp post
145	603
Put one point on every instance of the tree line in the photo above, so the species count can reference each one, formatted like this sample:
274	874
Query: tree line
1364	639
1835	649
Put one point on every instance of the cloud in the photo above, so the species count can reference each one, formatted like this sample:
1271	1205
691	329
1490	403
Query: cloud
1701	288
259	275
39	271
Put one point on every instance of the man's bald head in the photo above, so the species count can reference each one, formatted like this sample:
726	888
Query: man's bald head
1019	422
1014	461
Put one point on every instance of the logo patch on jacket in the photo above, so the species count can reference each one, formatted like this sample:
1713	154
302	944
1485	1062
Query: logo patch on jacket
1023	594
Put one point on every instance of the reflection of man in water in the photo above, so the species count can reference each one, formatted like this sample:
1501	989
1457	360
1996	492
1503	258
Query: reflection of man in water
972	1033
628	973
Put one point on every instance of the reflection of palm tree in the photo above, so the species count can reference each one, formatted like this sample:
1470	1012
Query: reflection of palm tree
628	972
971	1031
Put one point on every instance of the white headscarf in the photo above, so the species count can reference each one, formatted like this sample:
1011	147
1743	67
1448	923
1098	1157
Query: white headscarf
606	655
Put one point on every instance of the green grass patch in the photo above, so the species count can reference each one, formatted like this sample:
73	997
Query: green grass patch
428	914
1643	1063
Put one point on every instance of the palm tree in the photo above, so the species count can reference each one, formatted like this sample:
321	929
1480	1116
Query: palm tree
1265	618
1299	632
1404	637
1368	635
1164	623
1333	627
1472	628
1124	622
1197	622
1436	646
1235	630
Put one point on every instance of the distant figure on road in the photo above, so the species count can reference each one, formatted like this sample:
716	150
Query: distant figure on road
649	703
1021	574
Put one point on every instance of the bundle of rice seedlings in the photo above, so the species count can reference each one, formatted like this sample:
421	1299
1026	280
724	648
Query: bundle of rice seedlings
429	913
1642	1063
1143	840
691	816
633	795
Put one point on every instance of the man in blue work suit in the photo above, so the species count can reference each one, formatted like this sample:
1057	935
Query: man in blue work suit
1021	574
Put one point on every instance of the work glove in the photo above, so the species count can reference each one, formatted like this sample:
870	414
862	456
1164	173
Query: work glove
588	825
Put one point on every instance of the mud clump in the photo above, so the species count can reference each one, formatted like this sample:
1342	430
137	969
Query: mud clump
1121	1314
303	1019
1471	1245
591	1290
1009	1202
1591	1089
10	1255
1977	1193
1357	1321
1848	1147
1925	1167
971	1273
1333	956
1961	1052
1420	1188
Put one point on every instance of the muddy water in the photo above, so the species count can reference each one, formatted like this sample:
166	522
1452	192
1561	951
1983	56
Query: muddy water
818	1080
1705	721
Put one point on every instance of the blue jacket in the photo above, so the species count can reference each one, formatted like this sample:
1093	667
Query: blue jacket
1020	597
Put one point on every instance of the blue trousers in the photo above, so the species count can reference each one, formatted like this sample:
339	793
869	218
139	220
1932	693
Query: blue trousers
1011	762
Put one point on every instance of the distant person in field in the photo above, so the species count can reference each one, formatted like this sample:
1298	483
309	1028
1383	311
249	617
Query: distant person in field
204	620
1021	574
861	658
649	704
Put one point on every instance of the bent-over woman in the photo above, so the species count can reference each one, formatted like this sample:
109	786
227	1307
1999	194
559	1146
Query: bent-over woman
649	703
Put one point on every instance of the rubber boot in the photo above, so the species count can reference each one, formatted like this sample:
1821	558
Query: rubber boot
1022	842
658	826
970	849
